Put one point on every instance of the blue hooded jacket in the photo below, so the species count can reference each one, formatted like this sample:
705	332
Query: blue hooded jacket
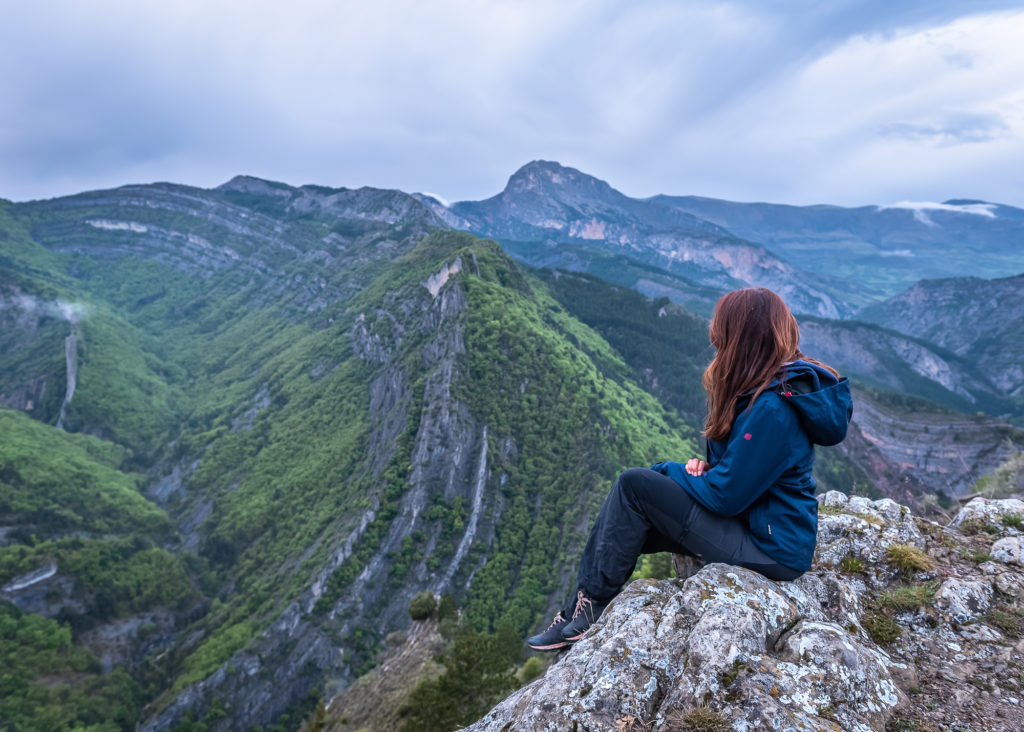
761	473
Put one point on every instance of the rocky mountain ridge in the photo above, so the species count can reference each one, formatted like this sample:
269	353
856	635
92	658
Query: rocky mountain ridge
906	363
545	201
886	248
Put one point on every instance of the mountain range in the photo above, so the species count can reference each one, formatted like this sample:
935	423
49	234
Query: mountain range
246	426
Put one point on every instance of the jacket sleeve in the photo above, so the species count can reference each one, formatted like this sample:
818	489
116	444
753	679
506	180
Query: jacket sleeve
759	450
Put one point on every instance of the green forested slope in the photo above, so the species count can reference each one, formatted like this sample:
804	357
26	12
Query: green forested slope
248	405
78	524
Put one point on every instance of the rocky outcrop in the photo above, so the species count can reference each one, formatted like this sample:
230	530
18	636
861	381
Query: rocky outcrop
895	626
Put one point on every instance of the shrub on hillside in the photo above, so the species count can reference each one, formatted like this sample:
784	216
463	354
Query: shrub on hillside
422	606
1007	480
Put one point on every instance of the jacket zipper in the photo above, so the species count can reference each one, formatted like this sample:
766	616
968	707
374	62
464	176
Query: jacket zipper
769	529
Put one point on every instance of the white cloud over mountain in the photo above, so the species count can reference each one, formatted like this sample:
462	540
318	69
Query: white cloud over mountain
847	102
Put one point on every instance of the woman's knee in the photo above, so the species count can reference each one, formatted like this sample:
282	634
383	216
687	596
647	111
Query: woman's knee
631	482
641	487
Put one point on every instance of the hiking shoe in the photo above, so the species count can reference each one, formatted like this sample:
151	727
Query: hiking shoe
551	639
586	614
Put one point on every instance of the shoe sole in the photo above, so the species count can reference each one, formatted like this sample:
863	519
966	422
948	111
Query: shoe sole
575	638
552	647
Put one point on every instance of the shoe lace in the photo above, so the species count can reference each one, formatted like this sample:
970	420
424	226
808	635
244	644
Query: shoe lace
583	605
559	618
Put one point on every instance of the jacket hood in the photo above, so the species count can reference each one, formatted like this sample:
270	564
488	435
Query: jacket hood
822	401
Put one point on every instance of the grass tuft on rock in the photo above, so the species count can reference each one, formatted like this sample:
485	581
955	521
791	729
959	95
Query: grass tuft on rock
908	559
975	556
700	719
909	597
1008	619
882	629
852	565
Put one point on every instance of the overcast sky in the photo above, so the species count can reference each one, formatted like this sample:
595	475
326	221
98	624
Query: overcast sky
836	101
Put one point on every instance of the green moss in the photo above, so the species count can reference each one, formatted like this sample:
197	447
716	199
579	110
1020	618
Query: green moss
730	676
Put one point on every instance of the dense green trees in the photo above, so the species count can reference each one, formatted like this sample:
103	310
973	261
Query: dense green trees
47	683
479	671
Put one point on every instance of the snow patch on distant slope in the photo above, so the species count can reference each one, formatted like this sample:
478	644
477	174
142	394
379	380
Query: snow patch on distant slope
921	209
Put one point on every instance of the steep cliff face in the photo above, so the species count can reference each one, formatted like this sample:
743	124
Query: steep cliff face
903	364
925	452
448	488
882	632
980	320
32	332
412	346
545	201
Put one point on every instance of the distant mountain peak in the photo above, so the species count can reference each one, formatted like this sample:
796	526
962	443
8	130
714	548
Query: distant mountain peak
547	176
551	168
252	184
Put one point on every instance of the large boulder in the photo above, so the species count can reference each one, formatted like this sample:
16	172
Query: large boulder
901	623
768	650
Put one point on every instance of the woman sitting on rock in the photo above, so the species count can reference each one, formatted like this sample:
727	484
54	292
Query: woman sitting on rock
751	503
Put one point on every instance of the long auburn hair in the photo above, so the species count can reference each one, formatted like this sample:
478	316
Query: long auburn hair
754	334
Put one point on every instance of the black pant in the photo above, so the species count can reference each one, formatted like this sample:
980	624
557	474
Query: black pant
648	512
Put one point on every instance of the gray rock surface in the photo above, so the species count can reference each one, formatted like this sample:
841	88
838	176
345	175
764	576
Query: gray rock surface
1009	550
981	513
860	642
726	633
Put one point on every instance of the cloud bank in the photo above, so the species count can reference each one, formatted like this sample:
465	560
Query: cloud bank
72	312
848	102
